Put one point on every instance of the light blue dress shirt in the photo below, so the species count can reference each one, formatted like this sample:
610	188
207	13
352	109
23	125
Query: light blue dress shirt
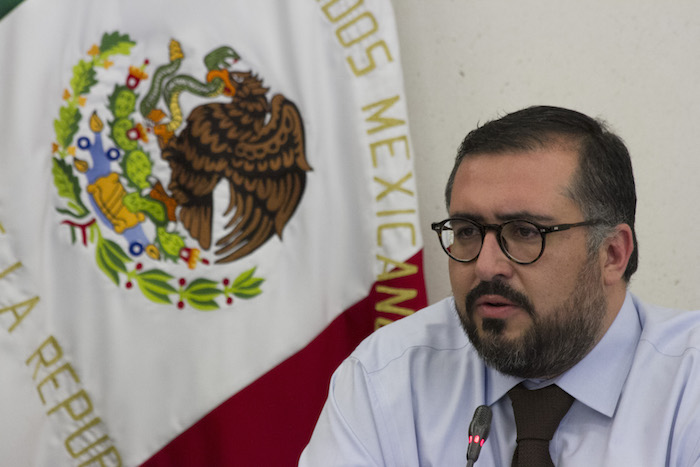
407	394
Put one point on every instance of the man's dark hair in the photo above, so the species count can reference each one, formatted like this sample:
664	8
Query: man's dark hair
603	184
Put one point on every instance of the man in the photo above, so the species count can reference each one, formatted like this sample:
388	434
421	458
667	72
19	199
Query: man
542	246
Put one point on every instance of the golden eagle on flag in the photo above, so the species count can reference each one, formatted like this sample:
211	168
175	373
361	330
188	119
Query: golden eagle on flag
255	144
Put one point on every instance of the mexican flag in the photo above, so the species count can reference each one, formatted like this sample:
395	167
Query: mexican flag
204	207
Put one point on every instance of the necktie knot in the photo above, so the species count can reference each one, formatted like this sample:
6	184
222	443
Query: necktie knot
537	416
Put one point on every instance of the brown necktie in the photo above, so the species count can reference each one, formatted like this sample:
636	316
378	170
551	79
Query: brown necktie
537	416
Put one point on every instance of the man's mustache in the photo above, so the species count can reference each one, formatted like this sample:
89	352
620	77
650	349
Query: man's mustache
498	288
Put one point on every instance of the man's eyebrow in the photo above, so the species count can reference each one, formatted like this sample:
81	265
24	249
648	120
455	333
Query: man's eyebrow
515	215
467	215
525	215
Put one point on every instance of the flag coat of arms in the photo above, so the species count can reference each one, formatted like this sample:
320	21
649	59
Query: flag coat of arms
204	207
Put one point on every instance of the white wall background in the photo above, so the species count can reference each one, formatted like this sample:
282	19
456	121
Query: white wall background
635	63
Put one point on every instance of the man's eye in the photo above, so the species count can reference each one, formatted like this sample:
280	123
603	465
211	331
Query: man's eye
466	232
524	231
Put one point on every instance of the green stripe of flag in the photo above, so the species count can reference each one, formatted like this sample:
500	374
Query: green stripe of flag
7	5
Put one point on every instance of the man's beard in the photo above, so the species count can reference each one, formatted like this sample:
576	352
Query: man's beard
554	342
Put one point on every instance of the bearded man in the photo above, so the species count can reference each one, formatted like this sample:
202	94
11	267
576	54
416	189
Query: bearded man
541	329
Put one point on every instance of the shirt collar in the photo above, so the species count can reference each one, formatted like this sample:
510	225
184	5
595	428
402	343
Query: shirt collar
597	380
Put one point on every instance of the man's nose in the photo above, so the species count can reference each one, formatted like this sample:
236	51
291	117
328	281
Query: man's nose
492	261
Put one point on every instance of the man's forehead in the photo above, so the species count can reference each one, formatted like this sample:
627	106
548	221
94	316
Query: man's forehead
553	162
505	184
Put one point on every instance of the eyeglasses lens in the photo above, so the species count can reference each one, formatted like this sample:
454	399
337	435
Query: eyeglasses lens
520	239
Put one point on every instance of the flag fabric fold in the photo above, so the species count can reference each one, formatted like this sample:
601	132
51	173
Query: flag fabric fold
203	209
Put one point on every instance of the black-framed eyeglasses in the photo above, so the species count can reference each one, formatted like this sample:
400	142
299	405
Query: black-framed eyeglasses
520	240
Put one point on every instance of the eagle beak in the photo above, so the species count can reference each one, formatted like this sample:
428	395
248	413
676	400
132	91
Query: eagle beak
222	74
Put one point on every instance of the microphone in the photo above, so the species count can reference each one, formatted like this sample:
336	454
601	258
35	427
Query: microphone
478	432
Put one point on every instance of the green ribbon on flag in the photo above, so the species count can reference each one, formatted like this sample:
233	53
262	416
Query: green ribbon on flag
7	5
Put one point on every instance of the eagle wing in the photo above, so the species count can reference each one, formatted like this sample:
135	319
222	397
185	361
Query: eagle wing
196	158
267	177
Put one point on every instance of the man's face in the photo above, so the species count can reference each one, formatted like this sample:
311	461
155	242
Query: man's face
534	320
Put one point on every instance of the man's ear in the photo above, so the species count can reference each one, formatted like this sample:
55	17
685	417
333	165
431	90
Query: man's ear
615	254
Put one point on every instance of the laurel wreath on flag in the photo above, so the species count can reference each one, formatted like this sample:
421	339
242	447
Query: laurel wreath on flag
126	185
